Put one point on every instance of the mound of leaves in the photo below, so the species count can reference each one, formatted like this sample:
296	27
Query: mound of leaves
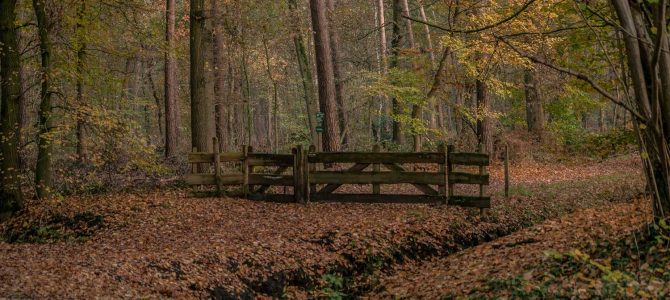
57	227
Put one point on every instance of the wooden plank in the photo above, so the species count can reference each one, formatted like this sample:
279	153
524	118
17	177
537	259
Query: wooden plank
245	171
471	201
333	186
376	189
442	169
371	198
267	159
467	178
279	171
422	187
269	180
378	158
210	179
205	157
469	159
345	177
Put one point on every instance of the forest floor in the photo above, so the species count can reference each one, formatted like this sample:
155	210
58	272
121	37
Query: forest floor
169	244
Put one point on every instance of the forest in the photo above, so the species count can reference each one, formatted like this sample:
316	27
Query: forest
332	149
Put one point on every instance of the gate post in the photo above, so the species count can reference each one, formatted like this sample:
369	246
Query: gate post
450	169
298	173
312	169
217	165
376	168
442	189
245	171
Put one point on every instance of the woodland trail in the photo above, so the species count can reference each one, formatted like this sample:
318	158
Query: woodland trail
517	254
168	244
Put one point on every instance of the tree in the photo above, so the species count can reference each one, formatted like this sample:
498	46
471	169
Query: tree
45	146
171	107
324	71
397	42
200	111
11	197
305	71
337	71
534	109
483	120
81	68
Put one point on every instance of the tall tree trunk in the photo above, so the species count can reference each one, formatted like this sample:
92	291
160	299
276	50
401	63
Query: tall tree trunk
274	125
385	107
305	72
397	42
324	64
171	106
11	197
483	120
200	111
337	72
81	56
534	108
417	109
45	146
220	105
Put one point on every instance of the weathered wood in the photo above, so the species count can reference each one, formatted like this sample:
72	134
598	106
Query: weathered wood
469	159
345	177
334	186
268	159
378	158
210	179
245	171
305	176
297	174
204	157
311	169
467	178
450	169
442	169
270	180
279	171
471	201
217	165
422	187
376	189
371	198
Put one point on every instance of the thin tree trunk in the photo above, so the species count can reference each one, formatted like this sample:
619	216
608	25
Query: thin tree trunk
219	75
534	108
397	42
483	122
385	107
11	197
275	101
325	75
337	72
45	146
305	73
200	111
171	107
81	56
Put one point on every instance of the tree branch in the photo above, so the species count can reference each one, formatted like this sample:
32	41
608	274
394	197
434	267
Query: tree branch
578	75
508	18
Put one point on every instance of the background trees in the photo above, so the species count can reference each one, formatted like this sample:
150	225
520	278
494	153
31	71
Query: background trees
105	83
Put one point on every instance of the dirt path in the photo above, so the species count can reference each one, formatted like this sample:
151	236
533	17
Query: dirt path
513	255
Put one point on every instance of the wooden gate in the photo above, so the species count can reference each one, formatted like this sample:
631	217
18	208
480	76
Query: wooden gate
301	171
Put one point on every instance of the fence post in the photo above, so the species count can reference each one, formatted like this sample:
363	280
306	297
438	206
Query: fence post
245	171
442	189
297	173
217	165
312	168
305	176
506	171
376	168
482	171
450	169
194	170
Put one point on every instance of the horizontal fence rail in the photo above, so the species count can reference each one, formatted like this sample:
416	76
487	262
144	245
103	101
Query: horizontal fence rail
302	170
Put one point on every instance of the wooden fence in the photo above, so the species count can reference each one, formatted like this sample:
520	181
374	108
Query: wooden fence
303	171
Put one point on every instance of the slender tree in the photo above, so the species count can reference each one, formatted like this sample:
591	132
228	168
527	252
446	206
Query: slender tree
324	71
534	109
200	111
220	105
171	107
11	197
81	65
305	71
397	42
337	71
45	146
483	120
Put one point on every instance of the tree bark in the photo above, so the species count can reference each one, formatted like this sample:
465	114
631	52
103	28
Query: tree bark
171	106
483	121
337	72
200	121
45	146
324	64
305	72
81	57
221	105
534	107
397	42
11	197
